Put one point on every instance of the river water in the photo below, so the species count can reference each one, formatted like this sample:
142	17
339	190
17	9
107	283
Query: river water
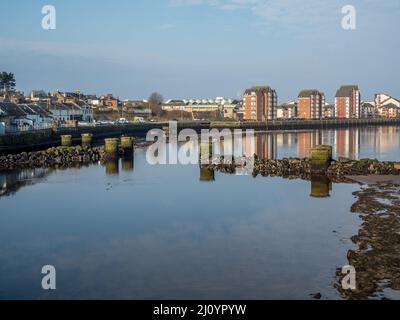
130	230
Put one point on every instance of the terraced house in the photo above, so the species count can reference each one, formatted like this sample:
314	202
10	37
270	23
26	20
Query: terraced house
260	103
310	103
348	102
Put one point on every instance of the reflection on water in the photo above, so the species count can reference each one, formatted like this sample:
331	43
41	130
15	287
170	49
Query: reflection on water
12	182
126	229
320	186
354	143
207	175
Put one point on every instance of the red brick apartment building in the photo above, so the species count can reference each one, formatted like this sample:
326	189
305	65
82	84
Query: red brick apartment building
310	104
260	103
347	102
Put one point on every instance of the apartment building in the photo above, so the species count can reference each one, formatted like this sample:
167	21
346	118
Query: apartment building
387	106
310	103
348	102
260	103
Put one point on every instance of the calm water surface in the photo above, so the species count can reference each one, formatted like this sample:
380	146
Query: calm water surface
136	231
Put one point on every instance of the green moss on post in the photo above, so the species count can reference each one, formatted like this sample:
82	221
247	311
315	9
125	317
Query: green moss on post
86	139
66	140
321	156
111	146
127	143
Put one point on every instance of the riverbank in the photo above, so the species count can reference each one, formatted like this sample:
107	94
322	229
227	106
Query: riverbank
301	168
41	139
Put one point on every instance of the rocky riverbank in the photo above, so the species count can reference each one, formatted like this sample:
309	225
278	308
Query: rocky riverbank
53	157
297	168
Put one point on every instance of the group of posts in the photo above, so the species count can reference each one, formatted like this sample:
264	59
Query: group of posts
112	146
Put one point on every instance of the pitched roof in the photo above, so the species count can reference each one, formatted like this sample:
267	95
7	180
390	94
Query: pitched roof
309	92
346	91
11	109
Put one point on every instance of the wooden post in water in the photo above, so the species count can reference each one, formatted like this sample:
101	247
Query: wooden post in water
321	157
127	143
86	139
66	140
111	148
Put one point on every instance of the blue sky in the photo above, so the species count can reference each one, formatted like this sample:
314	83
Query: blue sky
202	48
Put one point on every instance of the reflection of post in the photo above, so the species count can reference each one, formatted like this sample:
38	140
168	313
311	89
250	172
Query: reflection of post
207	175
127	163
320	186
112	167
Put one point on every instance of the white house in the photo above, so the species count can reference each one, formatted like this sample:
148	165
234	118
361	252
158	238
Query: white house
63	112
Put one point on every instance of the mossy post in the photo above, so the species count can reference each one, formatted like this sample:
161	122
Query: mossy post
86	139
66	140
207	175
111	148
321	157
127	143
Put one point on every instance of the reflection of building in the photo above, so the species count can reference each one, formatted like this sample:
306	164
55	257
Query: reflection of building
347	102
386	139
263	145
11	182
310	103
260	103
306	141
348	143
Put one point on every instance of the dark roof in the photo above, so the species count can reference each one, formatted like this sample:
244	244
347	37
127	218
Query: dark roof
11	109
367	104
309	92
258	88
346	91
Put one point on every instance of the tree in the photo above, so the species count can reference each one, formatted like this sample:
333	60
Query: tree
7	81
155	102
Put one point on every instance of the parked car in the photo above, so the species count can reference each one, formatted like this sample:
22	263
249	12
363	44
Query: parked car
122	121
139	120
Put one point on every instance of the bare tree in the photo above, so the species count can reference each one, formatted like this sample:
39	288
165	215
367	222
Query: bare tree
155	102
